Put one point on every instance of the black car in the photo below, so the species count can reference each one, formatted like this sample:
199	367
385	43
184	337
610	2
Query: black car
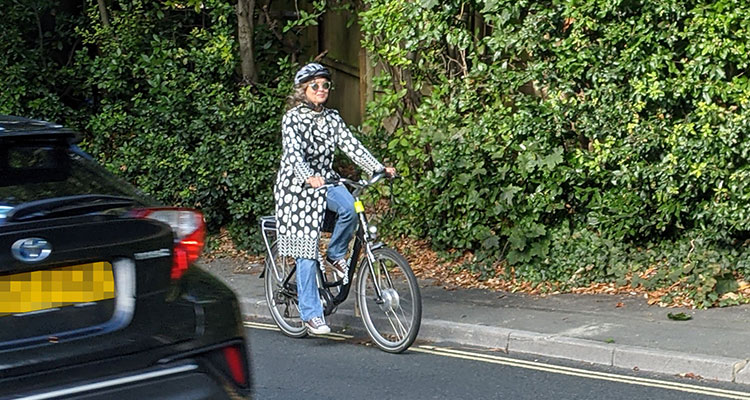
100	297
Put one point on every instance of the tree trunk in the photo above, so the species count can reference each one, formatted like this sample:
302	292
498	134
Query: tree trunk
245	28
103	12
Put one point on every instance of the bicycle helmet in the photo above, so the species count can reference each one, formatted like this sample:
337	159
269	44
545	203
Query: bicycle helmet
309	72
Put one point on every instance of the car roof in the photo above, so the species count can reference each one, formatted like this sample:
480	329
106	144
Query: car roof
12	127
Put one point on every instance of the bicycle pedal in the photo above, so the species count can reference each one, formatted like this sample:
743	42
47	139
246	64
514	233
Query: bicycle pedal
327	311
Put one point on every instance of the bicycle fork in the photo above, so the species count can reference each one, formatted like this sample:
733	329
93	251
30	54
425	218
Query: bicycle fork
371	261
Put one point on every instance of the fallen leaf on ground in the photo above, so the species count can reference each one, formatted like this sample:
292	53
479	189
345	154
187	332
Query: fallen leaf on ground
452	274
679	317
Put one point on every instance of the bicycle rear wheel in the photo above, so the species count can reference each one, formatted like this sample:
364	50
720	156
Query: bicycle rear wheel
392	321
282	302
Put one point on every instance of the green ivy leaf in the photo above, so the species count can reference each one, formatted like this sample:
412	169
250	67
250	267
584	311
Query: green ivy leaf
428	4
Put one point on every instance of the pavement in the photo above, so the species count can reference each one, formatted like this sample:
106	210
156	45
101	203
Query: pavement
608	330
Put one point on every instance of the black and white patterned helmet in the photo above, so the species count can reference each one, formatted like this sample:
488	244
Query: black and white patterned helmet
311	71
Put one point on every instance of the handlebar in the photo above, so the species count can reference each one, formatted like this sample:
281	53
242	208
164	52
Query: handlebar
358	186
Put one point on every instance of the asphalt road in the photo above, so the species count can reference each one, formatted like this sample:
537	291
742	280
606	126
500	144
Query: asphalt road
342	367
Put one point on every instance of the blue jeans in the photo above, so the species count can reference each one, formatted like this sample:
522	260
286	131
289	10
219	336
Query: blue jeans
307	289
340	201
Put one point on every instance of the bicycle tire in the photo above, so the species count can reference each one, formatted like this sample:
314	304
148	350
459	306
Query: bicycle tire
284	309
393	324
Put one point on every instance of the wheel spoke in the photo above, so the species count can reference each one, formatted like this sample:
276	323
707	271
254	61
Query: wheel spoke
385	274
403	314
398	328
392	321
401	331
289	304
282	301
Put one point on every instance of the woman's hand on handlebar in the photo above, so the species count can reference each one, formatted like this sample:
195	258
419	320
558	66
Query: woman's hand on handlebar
390	171
316	181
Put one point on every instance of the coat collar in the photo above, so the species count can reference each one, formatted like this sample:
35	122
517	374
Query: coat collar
307	108
317	120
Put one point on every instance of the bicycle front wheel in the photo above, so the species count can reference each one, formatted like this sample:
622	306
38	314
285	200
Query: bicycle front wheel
392	319
282	301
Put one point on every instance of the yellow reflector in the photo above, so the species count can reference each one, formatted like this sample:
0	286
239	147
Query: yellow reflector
57	287
358	207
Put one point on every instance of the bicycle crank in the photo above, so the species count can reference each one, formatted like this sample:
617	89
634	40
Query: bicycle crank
326	300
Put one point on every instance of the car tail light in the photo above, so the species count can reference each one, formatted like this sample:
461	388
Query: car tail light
231	360
236	364
190	233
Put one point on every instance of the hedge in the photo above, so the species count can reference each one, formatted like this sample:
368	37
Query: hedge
577	142
158	99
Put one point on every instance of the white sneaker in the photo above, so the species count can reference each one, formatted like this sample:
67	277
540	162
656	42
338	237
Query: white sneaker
317	326
340	269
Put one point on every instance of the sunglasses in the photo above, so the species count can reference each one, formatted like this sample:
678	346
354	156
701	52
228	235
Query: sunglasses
324	86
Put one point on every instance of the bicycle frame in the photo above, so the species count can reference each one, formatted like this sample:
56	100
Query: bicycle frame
362	241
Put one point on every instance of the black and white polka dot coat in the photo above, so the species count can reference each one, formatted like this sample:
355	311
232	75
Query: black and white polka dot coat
309	139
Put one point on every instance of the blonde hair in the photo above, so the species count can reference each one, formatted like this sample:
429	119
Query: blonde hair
297	96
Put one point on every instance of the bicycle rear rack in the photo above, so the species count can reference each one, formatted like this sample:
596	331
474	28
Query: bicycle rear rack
267	227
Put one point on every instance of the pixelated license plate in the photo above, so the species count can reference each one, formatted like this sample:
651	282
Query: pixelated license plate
57	287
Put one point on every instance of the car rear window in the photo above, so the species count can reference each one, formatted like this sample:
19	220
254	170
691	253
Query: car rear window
26	164
30	172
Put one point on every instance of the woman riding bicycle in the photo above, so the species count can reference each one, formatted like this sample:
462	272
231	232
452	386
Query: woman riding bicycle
310	135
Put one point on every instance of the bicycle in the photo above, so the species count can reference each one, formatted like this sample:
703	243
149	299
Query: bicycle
388	297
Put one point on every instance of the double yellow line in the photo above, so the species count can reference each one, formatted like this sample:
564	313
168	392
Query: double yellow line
537	366
633	380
